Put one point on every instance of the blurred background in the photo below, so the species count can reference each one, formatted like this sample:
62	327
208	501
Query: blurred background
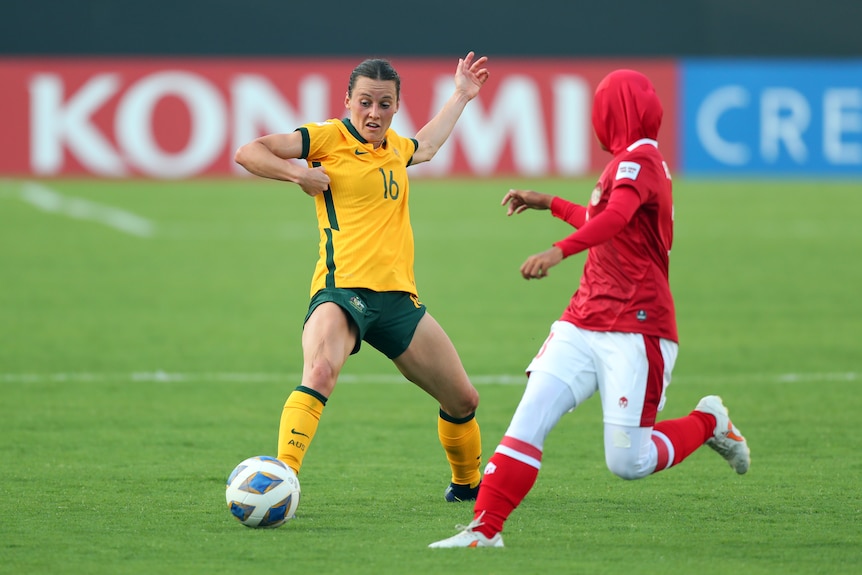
655	28
168	89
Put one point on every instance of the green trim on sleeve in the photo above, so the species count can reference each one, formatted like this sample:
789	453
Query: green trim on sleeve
306	142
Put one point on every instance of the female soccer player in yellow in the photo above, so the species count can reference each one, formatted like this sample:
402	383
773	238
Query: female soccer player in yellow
363	287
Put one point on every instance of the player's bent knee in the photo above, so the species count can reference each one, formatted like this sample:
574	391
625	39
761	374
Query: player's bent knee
628	473
622	464
461	407
629	452
321	375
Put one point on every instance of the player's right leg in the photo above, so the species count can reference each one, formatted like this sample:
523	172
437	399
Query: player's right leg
561	377
514	466
328	338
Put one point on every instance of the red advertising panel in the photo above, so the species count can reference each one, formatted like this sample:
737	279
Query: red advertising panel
180	118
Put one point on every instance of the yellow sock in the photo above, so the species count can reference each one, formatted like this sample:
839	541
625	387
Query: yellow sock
463	444
298	425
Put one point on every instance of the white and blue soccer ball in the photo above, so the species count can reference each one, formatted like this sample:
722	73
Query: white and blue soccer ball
262	492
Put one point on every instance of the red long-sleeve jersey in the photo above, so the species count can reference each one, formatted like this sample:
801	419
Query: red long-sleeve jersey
628	226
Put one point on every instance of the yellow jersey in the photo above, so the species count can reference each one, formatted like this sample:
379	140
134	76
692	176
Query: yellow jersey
366	240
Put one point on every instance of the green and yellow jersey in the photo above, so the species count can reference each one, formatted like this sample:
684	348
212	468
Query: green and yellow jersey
366	240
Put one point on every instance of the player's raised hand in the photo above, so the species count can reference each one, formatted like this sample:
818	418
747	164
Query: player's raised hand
470	75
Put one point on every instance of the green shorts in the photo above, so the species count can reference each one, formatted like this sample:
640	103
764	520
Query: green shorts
386	320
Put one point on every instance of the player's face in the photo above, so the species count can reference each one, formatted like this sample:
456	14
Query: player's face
372	106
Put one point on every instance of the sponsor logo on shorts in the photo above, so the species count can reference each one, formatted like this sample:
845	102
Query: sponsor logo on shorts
357	304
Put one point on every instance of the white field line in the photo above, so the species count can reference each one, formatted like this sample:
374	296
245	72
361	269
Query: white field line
504	379
48	200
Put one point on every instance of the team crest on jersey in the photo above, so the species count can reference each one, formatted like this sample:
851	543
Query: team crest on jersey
596	195
358	304
628	170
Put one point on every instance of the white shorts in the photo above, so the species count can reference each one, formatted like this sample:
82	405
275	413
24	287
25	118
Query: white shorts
630	371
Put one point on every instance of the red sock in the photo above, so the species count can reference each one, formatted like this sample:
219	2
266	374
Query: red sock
684	434
506	482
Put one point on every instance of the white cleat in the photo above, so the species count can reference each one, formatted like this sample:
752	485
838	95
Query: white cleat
726	439
468	537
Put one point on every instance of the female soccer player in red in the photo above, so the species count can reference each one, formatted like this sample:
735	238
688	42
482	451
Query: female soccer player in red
618	335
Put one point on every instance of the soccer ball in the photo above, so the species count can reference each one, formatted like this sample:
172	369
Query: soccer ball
262	492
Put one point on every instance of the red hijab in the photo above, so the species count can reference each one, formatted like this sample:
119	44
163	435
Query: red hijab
625	110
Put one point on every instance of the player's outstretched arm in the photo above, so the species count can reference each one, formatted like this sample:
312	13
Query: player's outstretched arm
470	76
517	201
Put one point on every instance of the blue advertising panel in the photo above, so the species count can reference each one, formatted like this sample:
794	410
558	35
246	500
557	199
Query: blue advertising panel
771	117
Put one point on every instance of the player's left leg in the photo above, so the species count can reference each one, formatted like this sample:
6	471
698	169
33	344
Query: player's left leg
635	452
633	372
432	363
725	438
635	445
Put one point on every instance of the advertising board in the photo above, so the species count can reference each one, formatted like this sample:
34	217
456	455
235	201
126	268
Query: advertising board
765	117
181	118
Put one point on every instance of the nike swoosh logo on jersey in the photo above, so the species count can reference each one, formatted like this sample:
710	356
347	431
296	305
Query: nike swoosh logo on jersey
295	432
359	152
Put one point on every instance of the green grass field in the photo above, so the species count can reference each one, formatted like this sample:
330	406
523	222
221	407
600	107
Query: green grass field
149	334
